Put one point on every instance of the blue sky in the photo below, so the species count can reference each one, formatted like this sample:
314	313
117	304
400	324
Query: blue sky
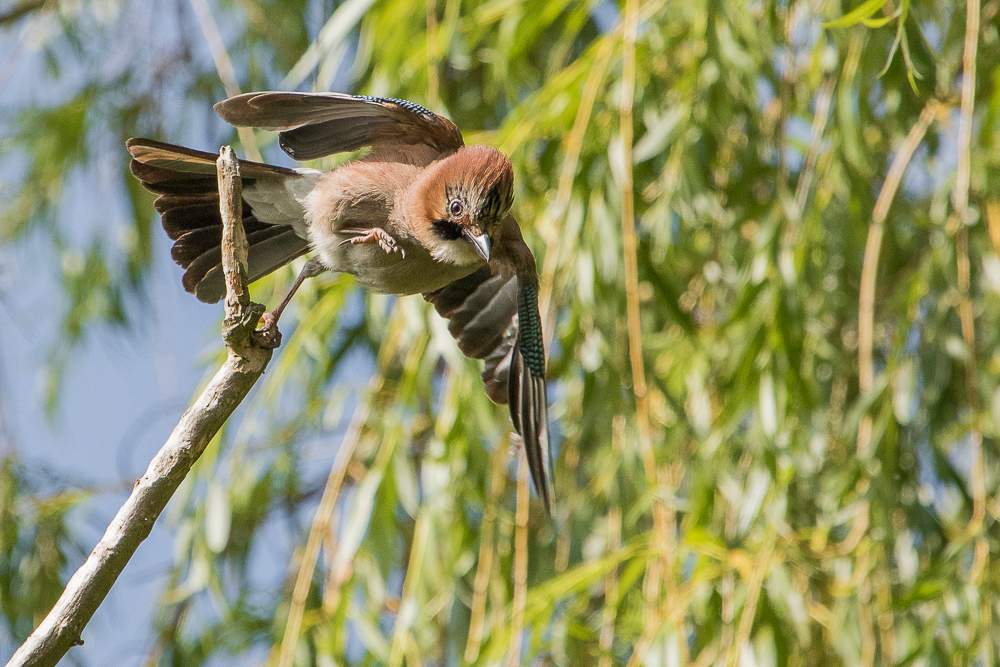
124	389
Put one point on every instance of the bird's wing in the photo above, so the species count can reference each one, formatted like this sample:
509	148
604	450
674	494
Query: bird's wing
482	313
169	160
311	125
495	318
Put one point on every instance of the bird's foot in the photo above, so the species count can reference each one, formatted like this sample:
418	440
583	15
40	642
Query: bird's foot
268	336
375	235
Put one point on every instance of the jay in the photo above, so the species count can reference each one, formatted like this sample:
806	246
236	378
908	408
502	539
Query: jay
421	213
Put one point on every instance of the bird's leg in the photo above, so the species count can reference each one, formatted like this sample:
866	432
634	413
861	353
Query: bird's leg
373	235
269	331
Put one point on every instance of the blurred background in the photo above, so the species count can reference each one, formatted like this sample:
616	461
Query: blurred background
768	237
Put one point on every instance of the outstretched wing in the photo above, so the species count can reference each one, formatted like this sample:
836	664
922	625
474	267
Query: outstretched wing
311	125
495	318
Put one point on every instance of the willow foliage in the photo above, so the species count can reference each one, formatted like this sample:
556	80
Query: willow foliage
775	392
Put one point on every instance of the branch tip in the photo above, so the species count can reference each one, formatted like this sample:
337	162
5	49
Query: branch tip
242	316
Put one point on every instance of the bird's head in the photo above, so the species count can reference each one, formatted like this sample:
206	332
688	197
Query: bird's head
461	202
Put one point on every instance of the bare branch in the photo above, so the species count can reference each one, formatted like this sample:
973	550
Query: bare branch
88	587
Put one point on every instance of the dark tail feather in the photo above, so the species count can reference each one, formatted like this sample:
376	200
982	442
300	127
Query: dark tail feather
270	249
188	205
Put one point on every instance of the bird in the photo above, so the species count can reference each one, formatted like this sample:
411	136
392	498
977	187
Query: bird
420	213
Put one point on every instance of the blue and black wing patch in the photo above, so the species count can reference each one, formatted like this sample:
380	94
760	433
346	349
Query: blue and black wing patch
527	395
311	125
406	105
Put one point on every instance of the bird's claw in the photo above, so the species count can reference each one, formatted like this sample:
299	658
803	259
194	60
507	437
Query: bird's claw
379	236
391	246
268	336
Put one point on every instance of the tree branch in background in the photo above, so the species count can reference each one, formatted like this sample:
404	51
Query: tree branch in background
248	356
520	564
866	364
977	483
19	10
224	66
869	269
485	562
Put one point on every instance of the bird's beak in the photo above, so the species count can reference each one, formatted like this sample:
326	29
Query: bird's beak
481	242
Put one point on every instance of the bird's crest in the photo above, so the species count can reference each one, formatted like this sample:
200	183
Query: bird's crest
480	176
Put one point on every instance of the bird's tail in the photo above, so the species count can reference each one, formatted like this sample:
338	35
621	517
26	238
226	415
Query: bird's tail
188	205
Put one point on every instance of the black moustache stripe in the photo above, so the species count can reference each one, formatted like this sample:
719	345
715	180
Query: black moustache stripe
447	229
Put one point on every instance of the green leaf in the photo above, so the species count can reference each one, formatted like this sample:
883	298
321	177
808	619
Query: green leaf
856	15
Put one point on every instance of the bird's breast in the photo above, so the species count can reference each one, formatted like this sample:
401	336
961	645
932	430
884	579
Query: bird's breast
361	196
392	273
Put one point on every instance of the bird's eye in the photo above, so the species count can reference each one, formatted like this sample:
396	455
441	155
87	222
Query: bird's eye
455	208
